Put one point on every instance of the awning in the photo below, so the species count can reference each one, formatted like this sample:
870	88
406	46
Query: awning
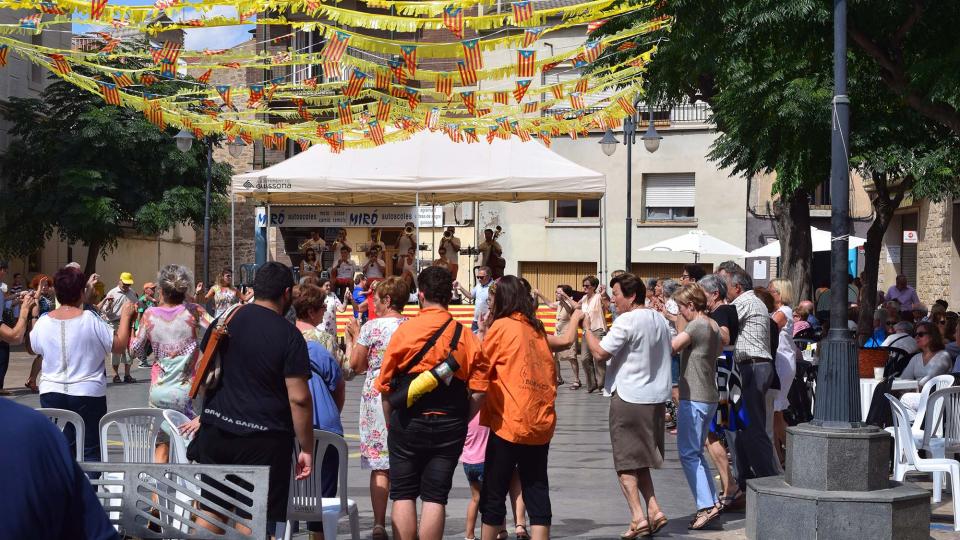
428	164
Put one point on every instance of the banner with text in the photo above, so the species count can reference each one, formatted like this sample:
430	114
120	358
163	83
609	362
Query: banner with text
349	216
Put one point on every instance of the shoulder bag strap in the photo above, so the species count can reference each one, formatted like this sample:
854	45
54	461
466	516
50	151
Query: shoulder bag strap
217	332
426	348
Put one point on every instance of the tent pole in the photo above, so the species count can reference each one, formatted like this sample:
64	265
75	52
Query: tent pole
433	225
233	210
603	238
416	218
268	232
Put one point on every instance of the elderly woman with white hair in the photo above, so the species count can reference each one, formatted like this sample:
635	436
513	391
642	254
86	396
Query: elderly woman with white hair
174	328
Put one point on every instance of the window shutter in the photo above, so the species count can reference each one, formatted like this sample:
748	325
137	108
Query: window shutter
669	190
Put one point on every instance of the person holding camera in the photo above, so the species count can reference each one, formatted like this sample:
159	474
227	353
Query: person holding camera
427	427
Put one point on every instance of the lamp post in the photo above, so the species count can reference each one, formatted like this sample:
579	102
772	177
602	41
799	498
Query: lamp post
651	141
184	144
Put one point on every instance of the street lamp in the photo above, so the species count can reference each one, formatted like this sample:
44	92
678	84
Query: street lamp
236	147
651	141
184	141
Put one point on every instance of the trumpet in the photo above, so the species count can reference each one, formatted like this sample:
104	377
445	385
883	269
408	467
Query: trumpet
447	234
408	230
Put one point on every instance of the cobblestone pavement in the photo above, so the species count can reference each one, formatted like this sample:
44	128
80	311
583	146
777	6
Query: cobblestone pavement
586	497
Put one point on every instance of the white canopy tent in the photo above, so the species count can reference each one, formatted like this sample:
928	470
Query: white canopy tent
697	242
819	239
428	166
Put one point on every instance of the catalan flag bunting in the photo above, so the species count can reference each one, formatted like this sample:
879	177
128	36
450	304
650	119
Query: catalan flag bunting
503	98
413	97
304	144
60	64
205	78
471	135
154	113
592	50
545	138
521	90
256	96
4	50
409	55
526	63
468	76
168	70
336	46
576	100
96	8
224	91
530	107
581	85
168	52
397	68
522	12
344	113
383	110
627	107
30	22
331	70
469	101
121	79
51	9
453	20
471	53
382	79
110	93
444	85
355	83
376	132
595	25
310	83
148	79
557	91
530	36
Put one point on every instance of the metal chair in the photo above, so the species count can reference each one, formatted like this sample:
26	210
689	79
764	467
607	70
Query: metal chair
913	460
62	417
138	433
178	443
941	429
306	503
128	492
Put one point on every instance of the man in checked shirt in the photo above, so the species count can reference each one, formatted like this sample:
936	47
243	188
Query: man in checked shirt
753	451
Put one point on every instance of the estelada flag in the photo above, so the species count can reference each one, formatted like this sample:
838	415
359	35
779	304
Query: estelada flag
592	50
627	107
627	45
530	35
453	131
256	96
302	109
453	20
335	140
557	91
331	70
224	91
110	46
468	76
336	46
96	8
376	132
169	52
469	101
471	53
399	92
397	68
521	90
502	98
382	81
409	55
526	62
344	112
205	78
383	110
121	79
60	64
303	144
110	93
444	85
581	85
51	9
576	100
522	11
355	84
530	107
413	97
471	135
154	114
545	138
168	70
4	50
31	21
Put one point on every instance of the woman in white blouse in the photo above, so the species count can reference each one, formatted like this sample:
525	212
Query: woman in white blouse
74	343
932	360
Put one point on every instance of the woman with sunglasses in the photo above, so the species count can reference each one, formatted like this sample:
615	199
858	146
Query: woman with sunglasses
932	360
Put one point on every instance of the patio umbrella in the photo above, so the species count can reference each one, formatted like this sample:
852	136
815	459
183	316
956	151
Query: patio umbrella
819	239
699	243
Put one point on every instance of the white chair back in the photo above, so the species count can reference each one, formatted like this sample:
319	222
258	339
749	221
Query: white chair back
936	383
138	434
943	417
305	495
178	443
901	425
62	417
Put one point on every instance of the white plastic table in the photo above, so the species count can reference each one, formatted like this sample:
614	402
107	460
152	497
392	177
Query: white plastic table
867	387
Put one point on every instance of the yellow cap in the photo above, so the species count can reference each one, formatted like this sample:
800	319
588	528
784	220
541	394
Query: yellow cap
126	278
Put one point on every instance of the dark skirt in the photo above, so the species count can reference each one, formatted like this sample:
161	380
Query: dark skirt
636	434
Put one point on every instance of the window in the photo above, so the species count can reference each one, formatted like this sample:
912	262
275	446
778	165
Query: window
575	209
669	197
821	195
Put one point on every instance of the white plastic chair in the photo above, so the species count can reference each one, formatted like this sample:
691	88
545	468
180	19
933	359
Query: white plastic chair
138	433
936	383
941	431
305	502
178	443
62	417
915	462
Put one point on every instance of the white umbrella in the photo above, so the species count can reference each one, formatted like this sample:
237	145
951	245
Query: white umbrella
819	239
697	242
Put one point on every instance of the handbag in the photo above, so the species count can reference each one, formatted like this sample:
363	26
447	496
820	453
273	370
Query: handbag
209	369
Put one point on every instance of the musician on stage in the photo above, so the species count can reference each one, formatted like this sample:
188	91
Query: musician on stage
342	271
491	254
341	241
451	245
314	242
375	241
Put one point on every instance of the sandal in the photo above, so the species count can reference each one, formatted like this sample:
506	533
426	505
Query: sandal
636	532
658	524
129	379
575	386
704	517
379	533
524	535
116	378
735	503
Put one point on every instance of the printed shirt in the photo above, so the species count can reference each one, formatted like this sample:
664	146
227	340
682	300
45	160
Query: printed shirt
754	338
112	310
412	335
521	378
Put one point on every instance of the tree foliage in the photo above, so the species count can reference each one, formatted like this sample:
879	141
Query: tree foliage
89	172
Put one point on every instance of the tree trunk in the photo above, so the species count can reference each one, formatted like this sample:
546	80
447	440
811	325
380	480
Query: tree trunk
792	225
885	200
93	254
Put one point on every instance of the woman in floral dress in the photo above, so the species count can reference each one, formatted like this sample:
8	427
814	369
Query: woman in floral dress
367	355
174	329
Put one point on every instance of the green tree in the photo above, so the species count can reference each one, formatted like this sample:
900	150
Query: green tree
765	68
87	171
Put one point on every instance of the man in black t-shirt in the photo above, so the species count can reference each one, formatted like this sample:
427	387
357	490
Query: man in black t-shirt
263	400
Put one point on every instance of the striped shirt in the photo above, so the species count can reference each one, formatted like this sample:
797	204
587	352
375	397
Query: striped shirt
754	339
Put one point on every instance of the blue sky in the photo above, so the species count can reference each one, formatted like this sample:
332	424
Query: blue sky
196	39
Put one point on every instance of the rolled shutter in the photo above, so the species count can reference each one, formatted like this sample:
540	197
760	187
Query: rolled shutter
669	190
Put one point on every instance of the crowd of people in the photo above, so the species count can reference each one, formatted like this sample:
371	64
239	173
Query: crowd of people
707	358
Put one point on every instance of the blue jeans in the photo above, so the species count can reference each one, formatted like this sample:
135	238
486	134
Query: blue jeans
693	422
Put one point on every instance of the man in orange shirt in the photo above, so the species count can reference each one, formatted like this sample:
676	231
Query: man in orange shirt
426	439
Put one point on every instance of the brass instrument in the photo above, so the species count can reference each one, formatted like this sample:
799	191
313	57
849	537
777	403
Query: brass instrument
447	234
408	230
